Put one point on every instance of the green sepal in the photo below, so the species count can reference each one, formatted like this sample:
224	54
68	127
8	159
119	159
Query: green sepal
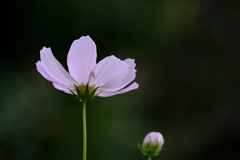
73	93
140	146
92	94
84	96
148	151
78	92
86	93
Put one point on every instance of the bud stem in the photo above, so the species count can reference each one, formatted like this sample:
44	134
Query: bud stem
84	130
149	158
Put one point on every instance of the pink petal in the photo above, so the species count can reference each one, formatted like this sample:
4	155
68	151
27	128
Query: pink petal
129	78
112	93
64	88
82	58
108	73
54	69
44	73
131	63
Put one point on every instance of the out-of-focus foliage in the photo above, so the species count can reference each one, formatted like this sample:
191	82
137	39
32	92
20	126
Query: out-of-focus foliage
187	54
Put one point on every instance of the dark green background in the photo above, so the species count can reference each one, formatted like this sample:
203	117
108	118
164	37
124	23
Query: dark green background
187	54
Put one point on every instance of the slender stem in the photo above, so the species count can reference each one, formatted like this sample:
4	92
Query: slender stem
84	130
149	157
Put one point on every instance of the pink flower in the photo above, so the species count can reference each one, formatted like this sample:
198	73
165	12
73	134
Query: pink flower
152	144
106	78
154	140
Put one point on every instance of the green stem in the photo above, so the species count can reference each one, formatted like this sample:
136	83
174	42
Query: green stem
84	130
149	158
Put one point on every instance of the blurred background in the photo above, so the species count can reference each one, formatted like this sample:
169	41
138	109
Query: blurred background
187	56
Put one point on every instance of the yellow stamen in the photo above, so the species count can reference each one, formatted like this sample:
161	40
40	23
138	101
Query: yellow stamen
82	89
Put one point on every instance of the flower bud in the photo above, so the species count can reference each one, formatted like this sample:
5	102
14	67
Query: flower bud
152	144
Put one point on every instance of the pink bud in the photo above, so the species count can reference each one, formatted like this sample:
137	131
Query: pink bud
153	139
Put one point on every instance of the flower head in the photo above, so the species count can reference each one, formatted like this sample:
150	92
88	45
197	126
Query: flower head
152	144
106	78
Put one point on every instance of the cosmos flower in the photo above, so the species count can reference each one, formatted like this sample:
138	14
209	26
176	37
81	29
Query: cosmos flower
106	78
152	144
153	139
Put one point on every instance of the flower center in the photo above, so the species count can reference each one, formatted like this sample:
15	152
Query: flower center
84	92
82	89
